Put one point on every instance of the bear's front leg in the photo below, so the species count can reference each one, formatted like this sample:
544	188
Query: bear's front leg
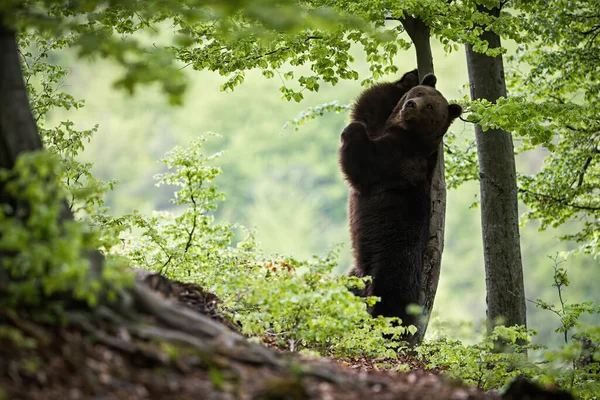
355	132
408	81
356	154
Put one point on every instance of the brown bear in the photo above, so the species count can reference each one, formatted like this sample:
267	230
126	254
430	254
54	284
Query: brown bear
388	154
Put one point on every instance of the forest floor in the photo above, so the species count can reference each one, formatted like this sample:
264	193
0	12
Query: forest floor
81	362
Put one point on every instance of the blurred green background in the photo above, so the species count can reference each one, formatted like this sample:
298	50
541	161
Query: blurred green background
287	184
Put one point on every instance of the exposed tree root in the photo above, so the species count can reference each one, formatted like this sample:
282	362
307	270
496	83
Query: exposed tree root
148	346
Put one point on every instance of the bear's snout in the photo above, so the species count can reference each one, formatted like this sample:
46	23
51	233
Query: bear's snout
410	104
410	110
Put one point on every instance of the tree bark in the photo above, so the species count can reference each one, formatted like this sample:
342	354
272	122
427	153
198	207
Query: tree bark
18	132
420	36
432	259
498	189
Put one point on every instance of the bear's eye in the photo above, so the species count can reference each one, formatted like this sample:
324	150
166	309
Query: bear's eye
429	106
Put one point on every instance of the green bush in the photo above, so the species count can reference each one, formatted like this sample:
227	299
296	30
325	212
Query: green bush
47	247
300	304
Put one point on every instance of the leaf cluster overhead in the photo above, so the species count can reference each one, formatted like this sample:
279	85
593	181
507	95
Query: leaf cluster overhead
235	36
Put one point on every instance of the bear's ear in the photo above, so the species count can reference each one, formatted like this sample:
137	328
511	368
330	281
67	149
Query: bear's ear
429	80
454	111
409	80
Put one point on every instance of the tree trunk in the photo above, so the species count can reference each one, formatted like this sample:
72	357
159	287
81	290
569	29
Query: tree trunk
498	188
18	132
432	259
420	36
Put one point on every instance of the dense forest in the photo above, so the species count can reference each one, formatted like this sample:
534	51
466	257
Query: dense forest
200	142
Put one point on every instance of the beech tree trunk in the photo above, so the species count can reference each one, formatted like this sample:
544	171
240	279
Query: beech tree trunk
420	36
432	259
18	132
498	189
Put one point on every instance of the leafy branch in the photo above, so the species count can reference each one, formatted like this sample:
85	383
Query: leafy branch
562	201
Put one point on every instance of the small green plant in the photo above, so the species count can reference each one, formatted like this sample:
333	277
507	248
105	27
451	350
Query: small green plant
576	364
569	314
45	82
297	304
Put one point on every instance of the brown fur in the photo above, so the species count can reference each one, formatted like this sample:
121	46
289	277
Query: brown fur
387	155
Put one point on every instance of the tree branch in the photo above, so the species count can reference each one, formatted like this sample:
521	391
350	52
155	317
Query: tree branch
269	53
195	220
588	161
564	202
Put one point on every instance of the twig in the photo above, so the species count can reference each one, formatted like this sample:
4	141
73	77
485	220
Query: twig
588	161
559	284
195	213
564	202
144	22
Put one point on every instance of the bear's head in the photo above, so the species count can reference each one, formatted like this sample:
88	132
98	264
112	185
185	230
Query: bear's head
424	111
